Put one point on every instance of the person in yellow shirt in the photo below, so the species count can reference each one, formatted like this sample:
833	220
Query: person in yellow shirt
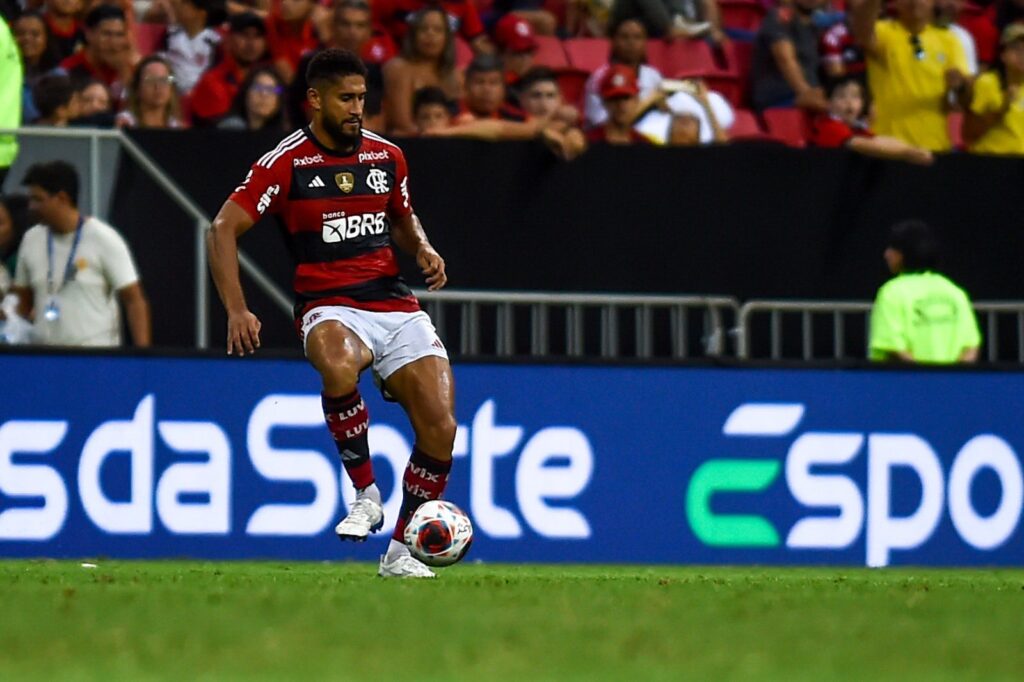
917	72
995	122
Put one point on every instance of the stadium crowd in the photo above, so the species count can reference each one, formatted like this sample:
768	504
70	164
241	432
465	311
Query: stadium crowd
901	80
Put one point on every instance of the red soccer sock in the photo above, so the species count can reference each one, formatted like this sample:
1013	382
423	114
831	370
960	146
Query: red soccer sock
349	423
425	479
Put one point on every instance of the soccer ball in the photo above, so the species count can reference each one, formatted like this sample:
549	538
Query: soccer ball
438	533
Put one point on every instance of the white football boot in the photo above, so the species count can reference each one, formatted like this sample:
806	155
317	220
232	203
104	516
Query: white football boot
403	566
365	517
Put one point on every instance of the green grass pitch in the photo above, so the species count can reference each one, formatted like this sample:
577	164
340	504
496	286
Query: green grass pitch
277	621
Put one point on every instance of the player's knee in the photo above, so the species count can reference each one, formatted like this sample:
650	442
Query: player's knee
340	374
438	437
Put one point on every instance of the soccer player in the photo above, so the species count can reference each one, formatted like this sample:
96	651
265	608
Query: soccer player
342	194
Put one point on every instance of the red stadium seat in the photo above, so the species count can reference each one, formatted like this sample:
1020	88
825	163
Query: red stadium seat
787	125
686	58
571	82
463	53
550	53
745	126
149	38
587	53
745	15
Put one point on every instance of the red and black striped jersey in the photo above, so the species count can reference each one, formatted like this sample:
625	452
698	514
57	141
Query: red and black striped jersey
337	212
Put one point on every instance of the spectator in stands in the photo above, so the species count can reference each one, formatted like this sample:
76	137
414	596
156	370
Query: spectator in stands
217	88
38	56
549	119
290	34
628	48
786	62
54	96
536	12
351	30
191	43
994	123
65	27
95	110
427	59
620	94
260	103
685	113
485	96
463	18
76	305
516	42
14	220
841	56
921	316
38	52
673	18
431	109
913	87
845	125
946	14
152	99
107	55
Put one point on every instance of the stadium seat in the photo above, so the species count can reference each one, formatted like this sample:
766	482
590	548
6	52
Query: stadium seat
149	38
684	58
463	53
745	126
955	124
587	54
550	53
744	15
787	125
739	56
572	82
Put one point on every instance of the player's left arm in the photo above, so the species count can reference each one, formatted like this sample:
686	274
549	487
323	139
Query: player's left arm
407	232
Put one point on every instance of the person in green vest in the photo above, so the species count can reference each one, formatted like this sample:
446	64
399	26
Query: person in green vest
10	96
920	315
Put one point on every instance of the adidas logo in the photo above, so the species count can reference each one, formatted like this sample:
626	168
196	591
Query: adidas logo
316	182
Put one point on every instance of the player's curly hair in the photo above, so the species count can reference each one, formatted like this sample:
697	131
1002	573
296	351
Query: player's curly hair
332	64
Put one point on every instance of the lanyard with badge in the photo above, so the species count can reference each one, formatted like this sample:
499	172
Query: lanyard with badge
52	310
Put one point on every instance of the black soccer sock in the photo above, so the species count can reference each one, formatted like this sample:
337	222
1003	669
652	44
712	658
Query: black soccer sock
425	479
349	422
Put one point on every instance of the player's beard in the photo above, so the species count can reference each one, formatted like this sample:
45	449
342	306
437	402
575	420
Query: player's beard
340	136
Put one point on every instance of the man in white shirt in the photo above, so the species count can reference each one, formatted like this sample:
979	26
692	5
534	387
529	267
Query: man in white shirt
191	44
71	266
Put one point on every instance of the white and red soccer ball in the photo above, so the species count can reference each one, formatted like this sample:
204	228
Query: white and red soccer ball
438	533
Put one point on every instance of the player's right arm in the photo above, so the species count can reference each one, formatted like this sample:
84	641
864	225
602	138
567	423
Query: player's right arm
222	246
263	191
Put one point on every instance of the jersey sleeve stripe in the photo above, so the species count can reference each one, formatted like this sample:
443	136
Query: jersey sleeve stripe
280	144
280	151
378	138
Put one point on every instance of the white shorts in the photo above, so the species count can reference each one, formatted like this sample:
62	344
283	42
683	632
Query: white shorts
394	339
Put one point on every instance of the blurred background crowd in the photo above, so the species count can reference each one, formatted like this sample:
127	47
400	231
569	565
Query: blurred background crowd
899	80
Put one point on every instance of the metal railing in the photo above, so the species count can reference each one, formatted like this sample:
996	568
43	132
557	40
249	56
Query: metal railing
827	323
610	326
201	222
